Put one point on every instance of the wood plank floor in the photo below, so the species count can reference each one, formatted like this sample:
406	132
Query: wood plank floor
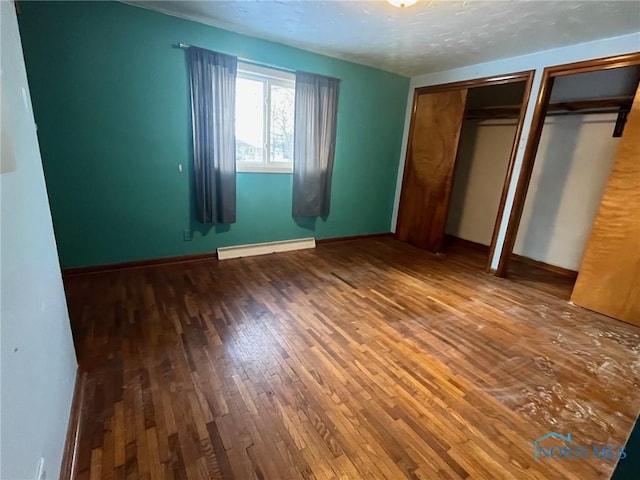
364	359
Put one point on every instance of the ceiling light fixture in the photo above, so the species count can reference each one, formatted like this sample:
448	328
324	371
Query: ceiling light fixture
402	3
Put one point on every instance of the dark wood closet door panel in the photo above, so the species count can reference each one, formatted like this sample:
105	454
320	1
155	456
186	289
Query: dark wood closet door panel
431	156
609	278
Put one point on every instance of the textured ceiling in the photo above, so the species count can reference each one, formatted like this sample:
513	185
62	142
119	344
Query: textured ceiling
430	36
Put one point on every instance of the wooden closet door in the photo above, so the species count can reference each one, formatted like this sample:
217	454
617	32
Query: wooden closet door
428	174
609	277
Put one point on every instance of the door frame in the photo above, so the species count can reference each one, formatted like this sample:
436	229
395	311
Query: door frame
533	141
523	76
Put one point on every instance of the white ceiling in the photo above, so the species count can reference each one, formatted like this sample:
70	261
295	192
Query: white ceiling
430	36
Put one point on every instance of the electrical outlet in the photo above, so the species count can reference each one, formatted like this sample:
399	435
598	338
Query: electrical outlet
41	473
187	235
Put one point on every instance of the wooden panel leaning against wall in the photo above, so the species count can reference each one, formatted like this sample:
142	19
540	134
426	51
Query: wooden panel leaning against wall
609	278
431	155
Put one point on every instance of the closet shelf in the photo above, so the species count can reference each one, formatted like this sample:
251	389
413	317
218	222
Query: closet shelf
578	107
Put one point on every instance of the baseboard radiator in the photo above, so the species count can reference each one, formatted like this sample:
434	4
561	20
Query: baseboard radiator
225	253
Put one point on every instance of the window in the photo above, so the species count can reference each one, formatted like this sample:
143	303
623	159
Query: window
265	100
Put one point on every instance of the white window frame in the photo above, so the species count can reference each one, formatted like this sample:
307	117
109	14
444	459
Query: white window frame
269	76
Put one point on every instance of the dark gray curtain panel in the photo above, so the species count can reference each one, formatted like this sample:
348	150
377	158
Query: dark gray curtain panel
316	118
213	102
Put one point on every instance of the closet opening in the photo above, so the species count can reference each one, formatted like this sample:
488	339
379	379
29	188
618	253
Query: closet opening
579	123
454	187
487	139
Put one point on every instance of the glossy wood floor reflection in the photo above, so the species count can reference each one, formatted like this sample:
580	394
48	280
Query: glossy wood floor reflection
363	359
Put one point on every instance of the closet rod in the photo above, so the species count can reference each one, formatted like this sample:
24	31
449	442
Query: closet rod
596	103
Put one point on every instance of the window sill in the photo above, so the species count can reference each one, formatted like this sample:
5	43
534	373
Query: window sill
263	169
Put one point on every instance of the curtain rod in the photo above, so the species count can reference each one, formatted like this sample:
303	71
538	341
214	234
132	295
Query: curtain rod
246	60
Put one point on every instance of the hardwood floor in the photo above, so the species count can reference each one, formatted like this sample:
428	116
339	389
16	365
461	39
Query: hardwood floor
364	359
541	279
521	270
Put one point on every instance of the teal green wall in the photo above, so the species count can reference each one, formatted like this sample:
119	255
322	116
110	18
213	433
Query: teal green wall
111	101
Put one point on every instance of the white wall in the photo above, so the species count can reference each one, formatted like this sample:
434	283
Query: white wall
571	170
535	61
38	359
570	173
483	157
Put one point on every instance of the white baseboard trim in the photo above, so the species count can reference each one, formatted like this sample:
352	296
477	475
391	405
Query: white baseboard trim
225	253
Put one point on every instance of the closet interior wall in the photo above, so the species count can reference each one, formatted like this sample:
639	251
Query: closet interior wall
575	155
484	152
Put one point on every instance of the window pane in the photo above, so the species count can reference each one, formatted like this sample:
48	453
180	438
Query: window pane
282	108
249	120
